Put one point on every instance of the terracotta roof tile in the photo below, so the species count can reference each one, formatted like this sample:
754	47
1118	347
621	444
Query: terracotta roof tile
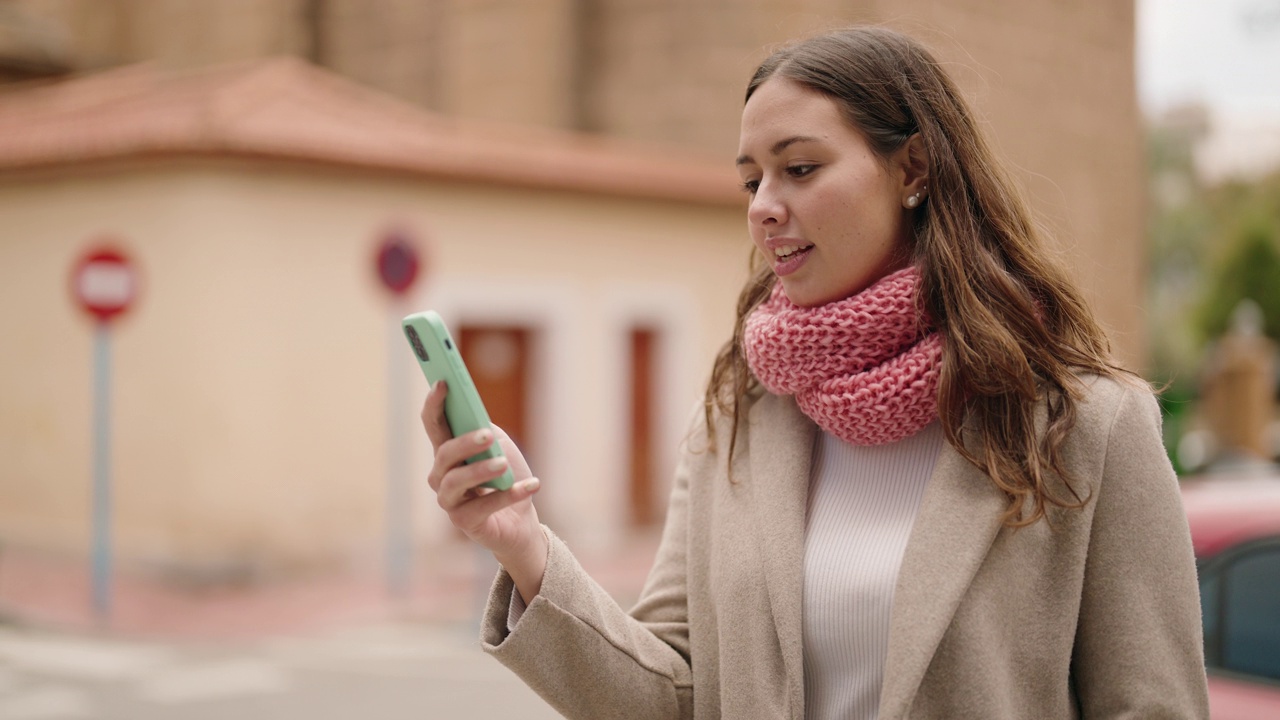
286	109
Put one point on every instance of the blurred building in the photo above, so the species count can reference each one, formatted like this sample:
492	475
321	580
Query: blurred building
1053	81
596	251
251	383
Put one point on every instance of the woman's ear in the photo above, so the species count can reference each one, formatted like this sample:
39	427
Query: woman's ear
913	163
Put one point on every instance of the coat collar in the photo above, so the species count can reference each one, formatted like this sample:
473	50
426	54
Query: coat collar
958	520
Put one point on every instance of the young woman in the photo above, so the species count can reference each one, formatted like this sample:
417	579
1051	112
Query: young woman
922	488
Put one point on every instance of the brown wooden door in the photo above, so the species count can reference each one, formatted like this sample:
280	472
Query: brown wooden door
645	509
498	358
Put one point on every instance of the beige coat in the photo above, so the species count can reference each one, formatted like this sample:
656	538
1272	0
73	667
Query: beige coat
1096	617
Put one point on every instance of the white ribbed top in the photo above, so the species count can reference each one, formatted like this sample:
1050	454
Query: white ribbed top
862	504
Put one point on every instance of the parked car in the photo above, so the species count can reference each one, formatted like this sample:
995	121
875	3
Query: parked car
1235	528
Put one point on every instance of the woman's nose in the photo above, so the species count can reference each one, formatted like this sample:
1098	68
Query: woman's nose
766	207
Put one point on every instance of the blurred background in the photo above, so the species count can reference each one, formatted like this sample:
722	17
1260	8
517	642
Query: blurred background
213	215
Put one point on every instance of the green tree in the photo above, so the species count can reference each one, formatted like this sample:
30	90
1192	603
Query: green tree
1211	247
1249	268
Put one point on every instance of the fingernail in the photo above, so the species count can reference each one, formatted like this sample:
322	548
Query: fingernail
497	463
482	437
530	485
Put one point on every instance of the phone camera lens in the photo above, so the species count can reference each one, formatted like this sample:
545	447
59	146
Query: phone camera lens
416	342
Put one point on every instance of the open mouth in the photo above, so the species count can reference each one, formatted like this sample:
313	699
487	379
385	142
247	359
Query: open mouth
789	252
788	259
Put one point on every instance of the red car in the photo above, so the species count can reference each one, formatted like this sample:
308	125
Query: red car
1235	527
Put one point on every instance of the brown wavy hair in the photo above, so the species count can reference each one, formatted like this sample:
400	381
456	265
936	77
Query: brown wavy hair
1017	330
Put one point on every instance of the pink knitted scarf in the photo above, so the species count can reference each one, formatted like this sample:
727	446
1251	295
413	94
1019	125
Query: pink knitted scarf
863	368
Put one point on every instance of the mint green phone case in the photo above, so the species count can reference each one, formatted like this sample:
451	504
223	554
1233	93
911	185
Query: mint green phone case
438	355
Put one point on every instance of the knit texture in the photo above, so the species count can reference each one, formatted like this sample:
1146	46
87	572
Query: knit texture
865	368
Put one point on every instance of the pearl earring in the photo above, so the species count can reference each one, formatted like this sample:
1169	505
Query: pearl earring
914	200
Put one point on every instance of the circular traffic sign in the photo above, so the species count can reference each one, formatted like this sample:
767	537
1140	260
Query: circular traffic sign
398	262
104	282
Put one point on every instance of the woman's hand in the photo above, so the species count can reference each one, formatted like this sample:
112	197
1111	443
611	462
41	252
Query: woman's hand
504	522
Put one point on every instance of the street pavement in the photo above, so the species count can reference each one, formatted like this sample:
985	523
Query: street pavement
329	647
383	671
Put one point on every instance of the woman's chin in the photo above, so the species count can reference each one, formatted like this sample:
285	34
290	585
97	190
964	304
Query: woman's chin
811	294
806	295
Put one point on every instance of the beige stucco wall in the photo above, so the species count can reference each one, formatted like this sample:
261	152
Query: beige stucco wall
250	387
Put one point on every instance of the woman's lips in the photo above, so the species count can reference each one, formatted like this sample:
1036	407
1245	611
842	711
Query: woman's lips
787	264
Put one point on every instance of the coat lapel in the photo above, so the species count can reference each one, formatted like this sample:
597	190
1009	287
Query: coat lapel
958	521
781	450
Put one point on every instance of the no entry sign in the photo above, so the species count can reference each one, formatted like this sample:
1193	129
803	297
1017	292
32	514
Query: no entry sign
397	262
104	282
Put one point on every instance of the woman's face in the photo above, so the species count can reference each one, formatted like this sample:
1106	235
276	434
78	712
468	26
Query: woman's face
825	210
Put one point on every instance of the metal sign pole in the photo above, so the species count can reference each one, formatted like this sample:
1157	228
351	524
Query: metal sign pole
397	264
102	470
399	497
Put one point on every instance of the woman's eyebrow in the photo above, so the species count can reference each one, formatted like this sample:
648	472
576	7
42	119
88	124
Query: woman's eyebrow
778	147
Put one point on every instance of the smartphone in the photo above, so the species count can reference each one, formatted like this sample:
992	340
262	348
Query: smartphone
438	355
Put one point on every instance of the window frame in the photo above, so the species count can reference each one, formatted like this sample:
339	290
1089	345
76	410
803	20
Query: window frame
1214	569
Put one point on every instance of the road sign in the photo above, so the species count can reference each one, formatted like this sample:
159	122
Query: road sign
398	263
104	282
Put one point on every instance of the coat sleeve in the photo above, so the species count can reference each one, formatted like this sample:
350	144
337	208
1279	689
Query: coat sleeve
1138	651
583	654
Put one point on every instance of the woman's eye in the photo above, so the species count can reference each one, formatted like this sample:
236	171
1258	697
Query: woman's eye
794	171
